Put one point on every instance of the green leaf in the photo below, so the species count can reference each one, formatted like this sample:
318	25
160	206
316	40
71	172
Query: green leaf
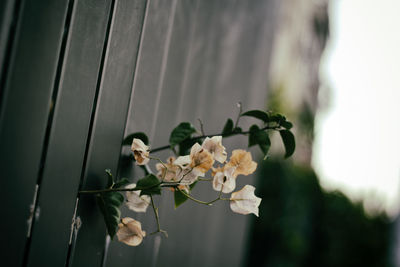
260	138
139	135
288	142
186	145
110	178
228	128
287	125
149	185
259	114
179	198
181	132
109	204
122	182
278	118
237	130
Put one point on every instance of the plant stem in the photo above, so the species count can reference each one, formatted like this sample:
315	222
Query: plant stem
204	179
212	135
117	189
240	113
166	169
196	200
157	219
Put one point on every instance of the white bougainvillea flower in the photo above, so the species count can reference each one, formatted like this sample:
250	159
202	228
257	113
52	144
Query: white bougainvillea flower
140	151
169	170
215	147
225	180
130	232
242	161
183	162
244	201
201	159
135	201
185	173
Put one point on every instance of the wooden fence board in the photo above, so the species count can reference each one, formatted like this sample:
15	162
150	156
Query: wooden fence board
66	149
24	115
108	125
143	114
9	10
210	65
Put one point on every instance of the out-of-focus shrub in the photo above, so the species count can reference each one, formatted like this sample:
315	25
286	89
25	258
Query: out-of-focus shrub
301	225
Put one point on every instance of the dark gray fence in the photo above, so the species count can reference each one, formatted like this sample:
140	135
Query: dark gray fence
79	75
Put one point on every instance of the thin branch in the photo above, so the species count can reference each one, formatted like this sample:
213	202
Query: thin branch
219	134
157	219
196	200
240	114
201	127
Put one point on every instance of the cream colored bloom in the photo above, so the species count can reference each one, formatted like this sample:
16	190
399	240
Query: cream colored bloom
185	174
244	201
135	201
194	165
140	151
224	179
242	161
201	159
215	147
130	232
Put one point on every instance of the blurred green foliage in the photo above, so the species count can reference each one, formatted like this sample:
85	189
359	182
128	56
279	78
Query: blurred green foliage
301	225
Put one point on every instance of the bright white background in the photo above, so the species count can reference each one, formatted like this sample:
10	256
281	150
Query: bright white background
357	143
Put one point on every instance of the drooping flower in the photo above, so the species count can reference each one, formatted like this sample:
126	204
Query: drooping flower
140	151
135	201
242	161
215	147
225	180
244	201
130	232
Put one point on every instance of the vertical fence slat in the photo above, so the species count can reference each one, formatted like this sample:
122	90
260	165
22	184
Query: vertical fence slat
66	148
9	10
109	124
148	84
24	116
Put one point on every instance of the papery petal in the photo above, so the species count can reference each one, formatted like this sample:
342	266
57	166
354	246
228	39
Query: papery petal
135	201
130	232
168	171
244	201
215	147
188	176
183	162
140	151
243	162
201	159
224	180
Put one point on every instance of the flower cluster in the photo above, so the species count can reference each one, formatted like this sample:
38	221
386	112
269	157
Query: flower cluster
184	171
198	158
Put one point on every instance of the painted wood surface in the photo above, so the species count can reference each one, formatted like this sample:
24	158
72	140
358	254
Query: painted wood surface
80	76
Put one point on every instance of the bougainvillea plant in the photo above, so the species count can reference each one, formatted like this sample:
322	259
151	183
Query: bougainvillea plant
196	155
